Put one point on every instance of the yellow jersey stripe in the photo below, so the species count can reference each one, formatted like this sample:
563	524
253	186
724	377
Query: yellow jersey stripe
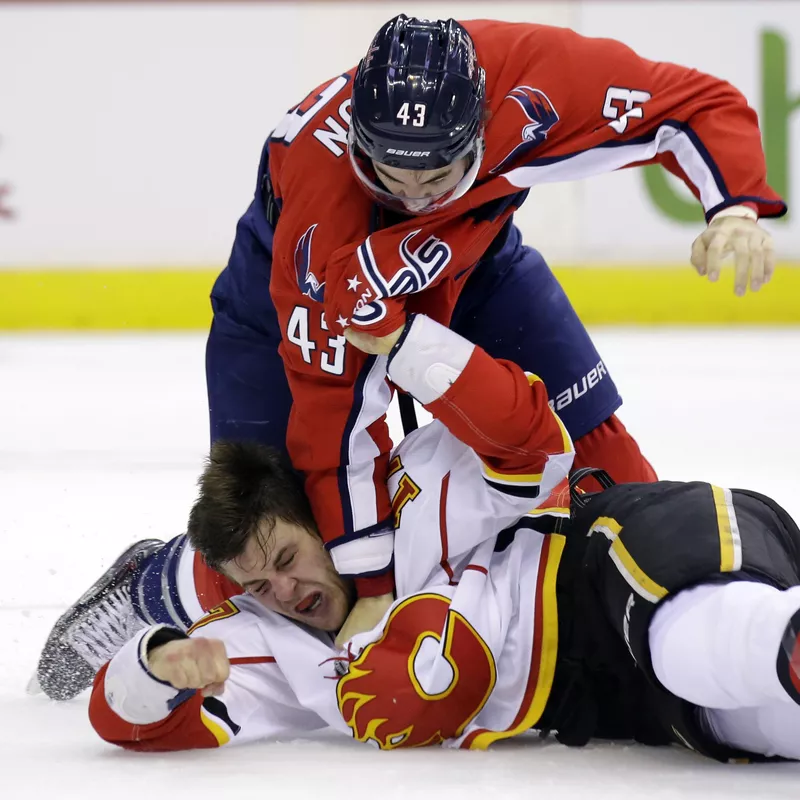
220	734
608	526
552	511
549	651
636	577
730	542
509	477
566	439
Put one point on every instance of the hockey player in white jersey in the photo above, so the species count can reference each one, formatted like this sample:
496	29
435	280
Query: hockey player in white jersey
658	612
468	598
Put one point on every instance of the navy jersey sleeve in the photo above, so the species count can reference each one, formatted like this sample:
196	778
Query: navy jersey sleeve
248	394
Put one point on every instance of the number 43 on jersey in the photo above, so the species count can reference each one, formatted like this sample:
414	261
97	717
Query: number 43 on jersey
331	357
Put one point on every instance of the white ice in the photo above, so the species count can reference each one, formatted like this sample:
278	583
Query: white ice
101	440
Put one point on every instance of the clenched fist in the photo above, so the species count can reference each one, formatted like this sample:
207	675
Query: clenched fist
742	237
192	664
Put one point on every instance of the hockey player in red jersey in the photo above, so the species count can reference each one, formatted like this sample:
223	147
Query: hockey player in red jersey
391	188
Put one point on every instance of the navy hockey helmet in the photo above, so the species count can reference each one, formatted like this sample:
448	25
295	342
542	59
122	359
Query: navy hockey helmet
418	103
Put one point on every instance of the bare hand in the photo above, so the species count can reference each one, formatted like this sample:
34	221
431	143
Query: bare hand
374	345
192	664
366	614
750	244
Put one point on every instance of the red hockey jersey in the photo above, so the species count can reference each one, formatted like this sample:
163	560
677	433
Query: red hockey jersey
559	107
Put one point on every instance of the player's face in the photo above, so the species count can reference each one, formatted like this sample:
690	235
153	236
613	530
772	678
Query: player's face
420	187
289	571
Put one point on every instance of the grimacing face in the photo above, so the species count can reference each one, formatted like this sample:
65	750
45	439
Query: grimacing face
289	571
419	185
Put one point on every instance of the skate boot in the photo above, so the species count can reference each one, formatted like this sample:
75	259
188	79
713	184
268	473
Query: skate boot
92	630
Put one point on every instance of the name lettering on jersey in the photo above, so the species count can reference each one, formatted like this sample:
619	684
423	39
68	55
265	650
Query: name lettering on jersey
579	388
368	313
366	310
541	116
335	134
364	299
423	681
290	126
629	101
308	282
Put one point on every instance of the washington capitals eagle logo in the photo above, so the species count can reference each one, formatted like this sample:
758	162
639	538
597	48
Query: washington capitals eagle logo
541	114
306	280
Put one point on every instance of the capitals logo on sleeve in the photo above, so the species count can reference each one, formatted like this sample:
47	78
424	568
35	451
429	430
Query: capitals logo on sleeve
423	265
541	115
306	280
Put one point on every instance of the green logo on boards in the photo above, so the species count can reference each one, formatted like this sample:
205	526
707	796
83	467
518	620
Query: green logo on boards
777	108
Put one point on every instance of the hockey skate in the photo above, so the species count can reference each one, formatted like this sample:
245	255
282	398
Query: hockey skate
92	630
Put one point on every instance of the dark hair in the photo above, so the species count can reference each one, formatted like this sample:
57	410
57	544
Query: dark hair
244	487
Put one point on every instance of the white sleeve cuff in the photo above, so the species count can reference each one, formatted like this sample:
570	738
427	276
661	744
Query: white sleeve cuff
428	359
364	557
131	691
736	211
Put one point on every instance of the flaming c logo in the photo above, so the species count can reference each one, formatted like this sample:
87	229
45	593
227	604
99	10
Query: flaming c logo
422	682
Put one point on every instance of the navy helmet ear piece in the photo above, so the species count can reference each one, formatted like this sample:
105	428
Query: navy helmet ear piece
418	102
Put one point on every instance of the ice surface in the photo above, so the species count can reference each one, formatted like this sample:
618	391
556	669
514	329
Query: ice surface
101	441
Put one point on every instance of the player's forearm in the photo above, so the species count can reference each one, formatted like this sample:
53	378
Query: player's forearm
491	405
630	110
131	708
719	152
339	439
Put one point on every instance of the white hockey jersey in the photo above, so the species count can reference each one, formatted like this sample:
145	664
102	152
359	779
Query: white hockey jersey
466	655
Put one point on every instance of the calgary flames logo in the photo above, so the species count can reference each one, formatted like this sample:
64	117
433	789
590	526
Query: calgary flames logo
422	682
